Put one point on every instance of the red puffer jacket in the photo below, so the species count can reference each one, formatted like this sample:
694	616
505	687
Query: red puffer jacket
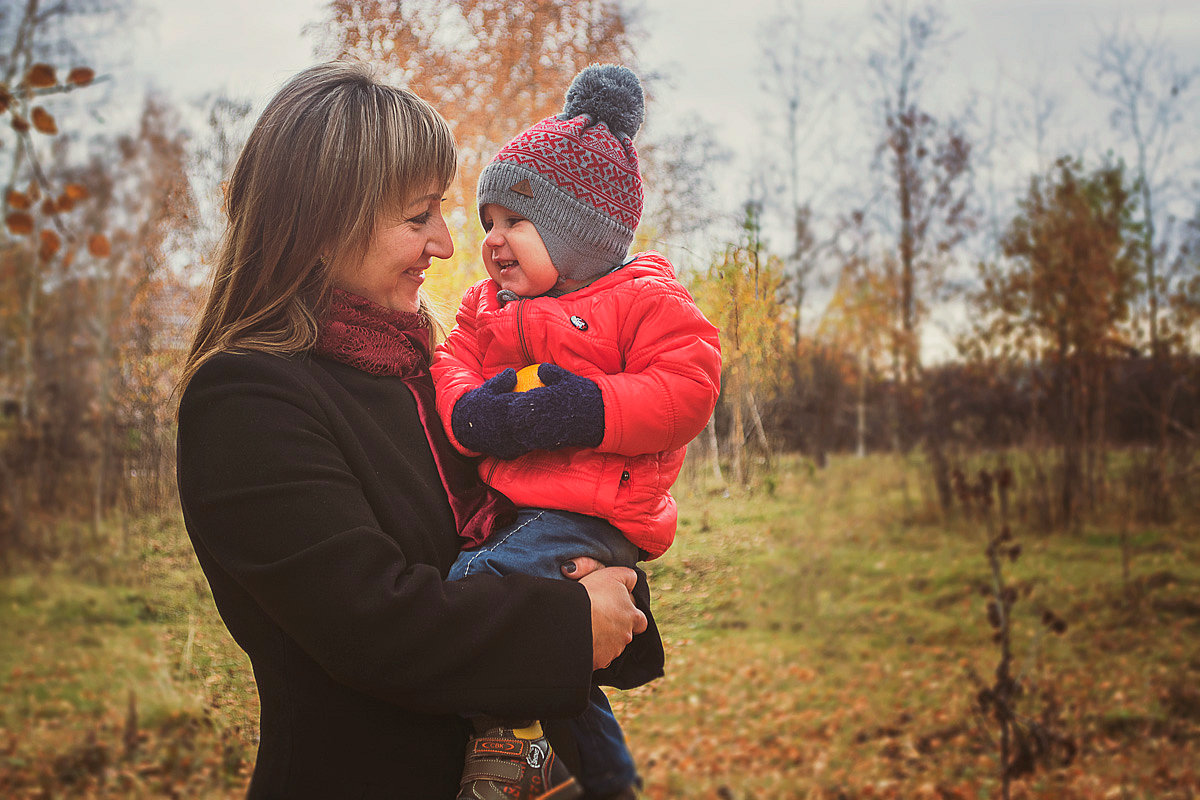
638	334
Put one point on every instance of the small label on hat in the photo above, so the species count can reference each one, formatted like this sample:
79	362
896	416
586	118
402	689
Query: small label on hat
522	188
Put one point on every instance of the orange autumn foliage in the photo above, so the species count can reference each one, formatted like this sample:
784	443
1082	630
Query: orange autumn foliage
43	121
491	67
19	223
81	76
99	246
50	242
41	76
18	200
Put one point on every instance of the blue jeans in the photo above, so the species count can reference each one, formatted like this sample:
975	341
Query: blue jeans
539	543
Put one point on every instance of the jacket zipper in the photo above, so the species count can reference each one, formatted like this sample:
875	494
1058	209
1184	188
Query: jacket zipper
521	331
528	359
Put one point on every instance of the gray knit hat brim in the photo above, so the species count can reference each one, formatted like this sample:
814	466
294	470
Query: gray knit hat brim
582	243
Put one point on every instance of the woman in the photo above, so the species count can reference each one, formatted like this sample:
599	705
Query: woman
322	499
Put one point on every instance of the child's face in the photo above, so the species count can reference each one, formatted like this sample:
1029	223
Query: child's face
514	253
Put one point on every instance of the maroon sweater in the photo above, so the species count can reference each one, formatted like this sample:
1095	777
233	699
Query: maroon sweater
315	509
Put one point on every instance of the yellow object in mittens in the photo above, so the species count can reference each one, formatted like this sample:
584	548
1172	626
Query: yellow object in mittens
527	378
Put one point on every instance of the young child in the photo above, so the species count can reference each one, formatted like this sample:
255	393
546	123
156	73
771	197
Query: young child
629	367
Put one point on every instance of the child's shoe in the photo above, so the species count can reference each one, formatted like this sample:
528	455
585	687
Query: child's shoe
507	763
628	793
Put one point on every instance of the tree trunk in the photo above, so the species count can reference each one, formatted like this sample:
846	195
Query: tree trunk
760	433
861	450
737	434
894	404
29	331
1072	469
710	432
937	460
104	358
1160	488
12	530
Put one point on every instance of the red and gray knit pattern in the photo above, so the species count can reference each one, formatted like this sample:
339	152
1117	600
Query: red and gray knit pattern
584	160
575	176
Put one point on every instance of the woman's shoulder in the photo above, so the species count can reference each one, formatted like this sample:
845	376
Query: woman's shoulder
248	371
246	364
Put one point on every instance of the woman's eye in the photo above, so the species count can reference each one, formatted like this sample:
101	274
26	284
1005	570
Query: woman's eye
420	219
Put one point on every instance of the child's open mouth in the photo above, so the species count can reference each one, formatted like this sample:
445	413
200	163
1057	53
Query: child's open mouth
503	265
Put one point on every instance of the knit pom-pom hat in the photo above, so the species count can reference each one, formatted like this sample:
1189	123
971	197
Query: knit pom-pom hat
575	175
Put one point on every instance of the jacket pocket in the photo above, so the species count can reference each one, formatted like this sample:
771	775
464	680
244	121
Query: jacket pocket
638	481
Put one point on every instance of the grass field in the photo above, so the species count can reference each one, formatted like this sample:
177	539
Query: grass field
820	633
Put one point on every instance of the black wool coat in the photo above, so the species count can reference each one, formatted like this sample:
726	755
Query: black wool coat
317	514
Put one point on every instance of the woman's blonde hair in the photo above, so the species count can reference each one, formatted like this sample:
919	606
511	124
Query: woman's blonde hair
332	151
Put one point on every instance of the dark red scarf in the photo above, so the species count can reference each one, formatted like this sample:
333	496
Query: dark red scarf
380	341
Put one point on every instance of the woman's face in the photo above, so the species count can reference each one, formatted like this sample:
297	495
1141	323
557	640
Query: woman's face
399	252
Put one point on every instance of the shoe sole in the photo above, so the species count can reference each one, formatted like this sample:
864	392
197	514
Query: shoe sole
570	790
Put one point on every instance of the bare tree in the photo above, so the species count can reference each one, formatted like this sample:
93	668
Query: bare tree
925	166
39	63
1152	102
797	73
679	184
1014	128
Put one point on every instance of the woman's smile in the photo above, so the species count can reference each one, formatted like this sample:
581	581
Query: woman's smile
401	249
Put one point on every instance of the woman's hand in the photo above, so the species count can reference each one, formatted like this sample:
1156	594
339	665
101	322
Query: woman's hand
615	619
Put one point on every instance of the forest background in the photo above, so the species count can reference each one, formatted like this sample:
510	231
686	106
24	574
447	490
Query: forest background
981	300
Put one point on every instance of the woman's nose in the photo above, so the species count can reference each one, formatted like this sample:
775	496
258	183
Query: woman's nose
440	244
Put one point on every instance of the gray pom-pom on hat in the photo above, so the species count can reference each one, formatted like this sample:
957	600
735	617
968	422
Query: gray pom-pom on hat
608	93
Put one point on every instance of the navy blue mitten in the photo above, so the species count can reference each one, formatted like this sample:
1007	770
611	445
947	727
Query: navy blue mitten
480	419
568	411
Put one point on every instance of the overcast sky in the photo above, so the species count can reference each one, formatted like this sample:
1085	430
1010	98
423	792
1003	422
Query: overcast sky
708	56
708	52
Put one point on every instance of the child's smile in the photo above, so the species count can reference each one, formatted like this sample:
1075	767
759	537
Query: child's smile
514	254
